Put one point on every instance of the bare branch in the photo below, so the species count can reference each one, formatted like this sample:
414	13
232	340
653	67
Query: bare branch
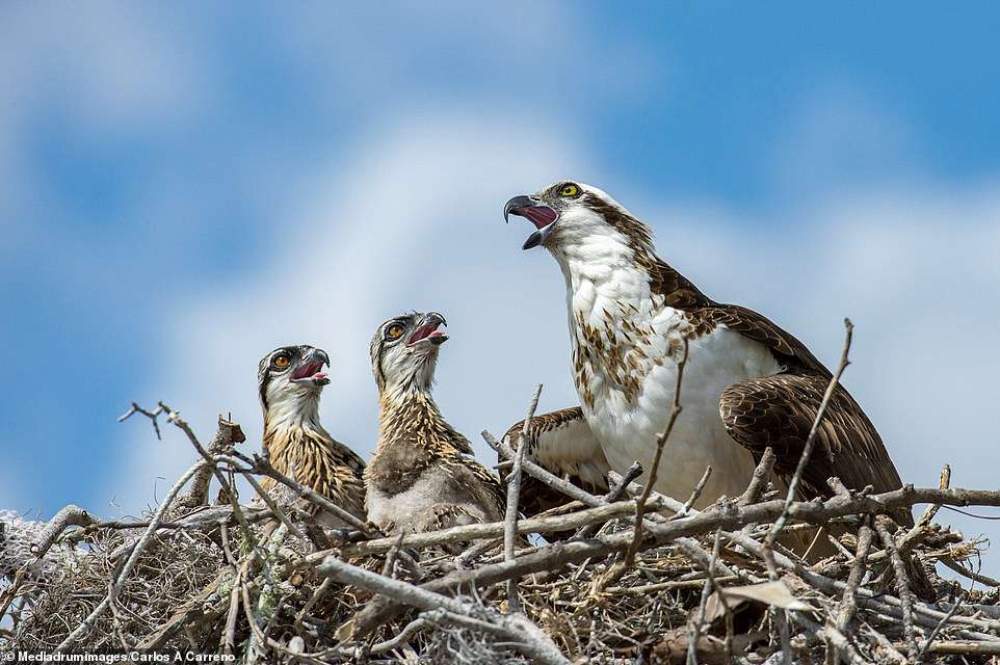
263	466
695	493
152	415
491	530
793	485
513	497
902	584
524	635
759	479
226	436
68	516
661	442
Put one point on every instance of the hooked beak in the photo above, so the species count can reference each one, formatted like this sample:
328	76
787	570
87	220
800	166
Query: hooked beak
542	216
428	331
310	369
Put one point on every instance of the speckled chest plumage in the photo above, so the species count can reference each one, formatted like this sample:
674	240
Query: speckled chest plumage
421	462
309	455
626	344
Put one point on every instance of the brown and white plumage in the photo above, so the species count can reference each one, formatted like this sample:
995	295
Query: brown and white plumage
422	476
747	383
290	380
562	442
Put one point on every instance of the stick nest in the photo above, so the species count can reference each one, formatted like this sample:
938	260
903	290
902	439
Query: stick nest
703	586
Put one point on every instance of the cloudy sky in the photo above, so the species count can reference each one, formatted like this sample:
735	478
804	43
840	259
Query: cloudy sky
184	188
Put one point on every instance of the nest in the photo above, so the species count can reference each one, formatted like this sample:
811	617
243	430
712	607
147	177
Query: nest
748	580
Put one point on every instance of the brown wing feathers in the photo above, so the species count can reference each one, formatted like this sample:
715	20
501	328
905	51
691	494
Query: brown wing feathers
582	463
778	411
786	347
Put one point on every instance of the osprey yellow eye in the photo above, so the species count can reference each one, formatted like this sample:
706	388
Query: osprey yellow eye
281	362
395	331
569	190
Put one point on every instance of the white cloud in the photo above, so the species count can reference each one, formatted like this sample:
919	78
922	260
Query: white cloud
106	69
839	136
528	52
109	64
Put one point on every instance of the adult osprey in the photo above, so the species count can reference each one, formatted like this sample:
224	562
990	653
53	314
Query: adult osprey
747	383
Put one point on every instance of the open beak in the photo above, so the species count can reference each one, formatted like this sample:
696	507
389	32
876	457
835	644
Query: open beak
542	216
310	369
428	331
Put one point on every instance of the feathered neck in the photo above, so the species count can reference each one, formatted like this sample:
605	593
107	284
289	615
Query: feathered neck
298	411
411	409
603	279
611	268
606	257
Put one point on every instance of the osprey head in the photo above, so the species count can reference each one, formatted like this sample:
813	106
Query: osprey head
569	213
291	373
404	351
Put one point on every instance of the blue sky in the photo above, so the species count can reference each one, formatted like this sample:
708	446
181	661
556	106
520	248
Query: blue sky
185	188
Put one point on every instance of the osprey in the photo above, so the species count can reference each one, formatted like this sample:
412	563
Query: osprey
423	476
289	381
747	384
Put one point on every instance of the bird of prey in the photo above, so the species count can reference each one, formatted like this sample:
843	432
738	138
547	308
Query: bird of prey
747	384
423	476
290	380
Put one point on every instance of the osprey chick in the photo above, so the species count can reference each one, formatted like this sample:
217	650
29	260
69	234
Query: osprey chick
290	380
747	383
423	476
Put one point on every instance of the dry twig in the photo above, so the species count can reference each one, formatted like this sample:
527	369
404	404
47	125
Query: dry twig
661	442
523	635
513	497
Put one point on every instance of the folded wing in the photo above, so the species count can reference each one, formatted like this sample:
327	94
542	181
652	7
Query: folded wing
562	443
778	411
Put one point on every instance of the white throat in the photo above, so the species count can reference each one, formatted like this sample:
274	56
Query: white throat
419	383
297	408
603	279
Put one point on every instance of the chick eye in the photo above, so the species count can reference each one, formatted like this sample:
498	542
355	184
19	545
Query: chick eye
569	190
280	362
395	331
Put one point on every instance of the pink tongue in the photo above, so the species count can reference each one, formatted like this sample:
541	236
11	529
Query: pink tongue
319	375
540	216
423	332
